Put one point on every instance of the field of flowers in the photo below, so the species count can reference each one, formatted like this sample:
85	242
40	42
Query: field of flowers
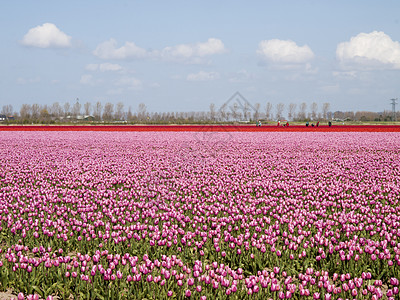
172	215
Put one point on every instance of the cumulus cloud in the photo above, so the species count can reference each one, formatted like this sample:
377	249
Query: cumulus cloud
203	76
103	67
109	50
183	52
46	36
370	50
284	52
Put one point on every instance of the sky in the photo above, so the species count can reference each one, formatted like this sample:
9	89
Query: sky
185	55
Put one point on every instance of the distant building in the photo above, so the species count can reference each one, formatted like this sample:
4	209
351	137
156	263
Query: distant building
85	118
6	118
81	118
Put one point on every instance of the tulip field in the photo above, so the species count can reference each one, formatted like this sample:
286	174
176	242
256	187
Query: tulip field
179	215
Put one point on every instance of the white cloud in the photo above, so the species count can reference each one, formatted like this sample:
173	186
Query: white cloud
370	50
203	76
129	82
187	51
309	69
109	67
103	67
240	76
211	47
183	52
284	52
46	36
109	50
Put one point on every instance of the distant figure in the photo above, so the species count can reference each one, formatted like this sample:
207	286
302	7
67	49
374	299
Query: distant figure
307	124
287	123
312	124
279	123
317	123
330	123
258	124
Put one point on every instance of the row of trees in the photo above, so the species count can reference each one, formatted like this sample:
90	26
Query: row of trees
229	112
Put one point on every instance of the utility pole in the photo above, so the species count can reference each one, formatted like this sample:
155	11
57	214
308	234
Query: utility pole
394	102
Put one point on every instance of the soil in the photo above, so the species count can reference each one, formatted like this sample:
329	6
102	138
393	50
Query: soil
7	295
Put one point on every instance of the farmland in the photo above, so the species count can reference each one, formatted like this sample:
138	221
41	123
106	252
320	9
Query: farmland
206	215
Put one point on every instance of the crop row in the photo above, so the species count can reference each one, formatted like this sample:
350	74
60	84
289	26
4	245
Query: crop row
204	215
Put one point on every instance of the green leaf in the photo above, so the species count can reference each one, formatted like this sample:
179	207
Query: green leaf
38	290
51	288
98	296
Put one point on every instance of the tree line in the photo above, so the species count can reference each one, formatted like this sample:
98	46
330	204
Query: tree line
234	112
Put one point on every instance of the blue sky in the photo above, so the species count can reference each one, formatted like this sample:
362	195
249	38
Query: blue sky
184	55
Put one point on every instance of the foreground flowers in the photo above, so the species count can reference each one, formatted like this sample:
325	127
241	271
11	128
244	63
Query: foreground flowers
135	215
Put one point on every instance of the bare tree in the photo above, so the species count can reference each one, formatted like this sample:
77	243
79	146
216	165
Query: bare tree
301	116
119	111
256	114
235	111
246	110
7	110
67	109
364	116
223	113
108	111
87	107
268	110
314	109
98	109
25	111
338	115
35	111
279	110
142	111
212	112
350	115
56	110
76	109
325	109
163	117
129	115
292	111
44	113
